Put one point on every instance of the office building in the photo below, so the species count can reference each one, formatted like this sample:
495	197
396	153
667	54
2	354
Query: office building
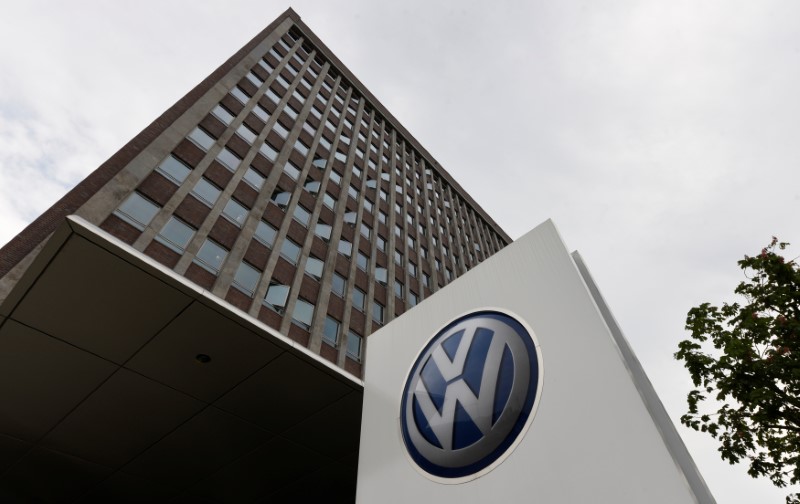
282	185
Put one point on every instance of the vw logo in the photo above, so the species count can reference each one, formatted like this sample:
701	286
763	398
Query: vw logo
469	397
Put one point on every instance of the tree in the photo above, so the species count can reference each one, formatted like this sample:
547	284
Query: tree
744	360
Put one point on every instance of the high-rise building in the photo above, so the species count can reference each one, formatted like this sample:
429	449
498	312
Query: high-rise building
282	185
190	321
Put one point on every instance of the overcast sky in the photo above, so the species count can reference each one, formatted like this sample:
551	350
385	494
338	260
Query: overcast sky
661	137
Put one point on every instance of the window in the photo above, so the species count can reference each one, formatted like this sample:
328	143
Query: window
398	257
413	299
412	268
330	332
345	247
328	201
382	217
314	267
339	284
265	233
291	170
301	147
398	231
206	192
273	96
276	296
255	79
173	169
201	139
323	231
337	179
175	234
366	231
426	280
353	192
261	112
312	186
448	274
341	156
381	241
362	261
246	278
423	252
377	312
319	163
246	133
254	179
303	314
290	251
222	114
412	243
137	211
398	288
229	159
301	215
368	205
353	345
211	256
281	198
359	297
235	212
438	264
268	151
280	129
240	95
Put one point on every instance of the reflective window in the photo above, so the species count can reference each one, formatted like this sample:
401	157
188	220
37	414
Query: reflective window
175	234
265	233
268	151
328	201
173	169
312	186
382	275
240	95
377	312
255	79
235	212
330	332
338	285
359	297
222	114
290	251
353	345
337	179
246	278
280	129
261	112
398	257
246	133
276	297
398	288
301	147
206	192
314	267
345	247
412	268
319	163
290	169
201	139
366	231
381	243
211	256
137	210
229	159
254	179
323	231
303	313
362	261
301	215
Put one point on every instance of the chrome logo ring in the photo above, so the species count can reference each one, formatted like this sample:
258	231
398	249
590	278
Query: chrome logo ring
470	396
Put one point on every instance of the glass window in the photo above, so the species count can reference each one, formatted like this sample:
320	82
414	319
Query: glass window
201	139
381	241
413	299
312	186
341	156
323	231
261	112
377	312
206	192
339	284
281	198
255	79
235	212
330	332
366	231
353	192
426	280
276	296
222	114
353	345
291	170
398	231
328	201
265	233
337	179
382	275
448	274
240	95
398	257
254	179
301	147
382	217
412	268
268	151
368	205
273	96
290	251
412	243
246	133
345	247
173	169
246	278
303	313
137	210
280	129
359	297
350	217
314	267
398	288
229	159
175	234
266	66
301	215
319	163
211	256
362	261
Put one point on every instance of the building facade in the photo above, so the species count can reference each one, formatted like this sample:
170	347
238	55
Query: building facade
281	185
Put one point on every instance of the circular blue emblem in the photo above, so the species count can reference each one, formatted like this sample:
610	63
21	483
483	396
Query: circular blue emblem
469	396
